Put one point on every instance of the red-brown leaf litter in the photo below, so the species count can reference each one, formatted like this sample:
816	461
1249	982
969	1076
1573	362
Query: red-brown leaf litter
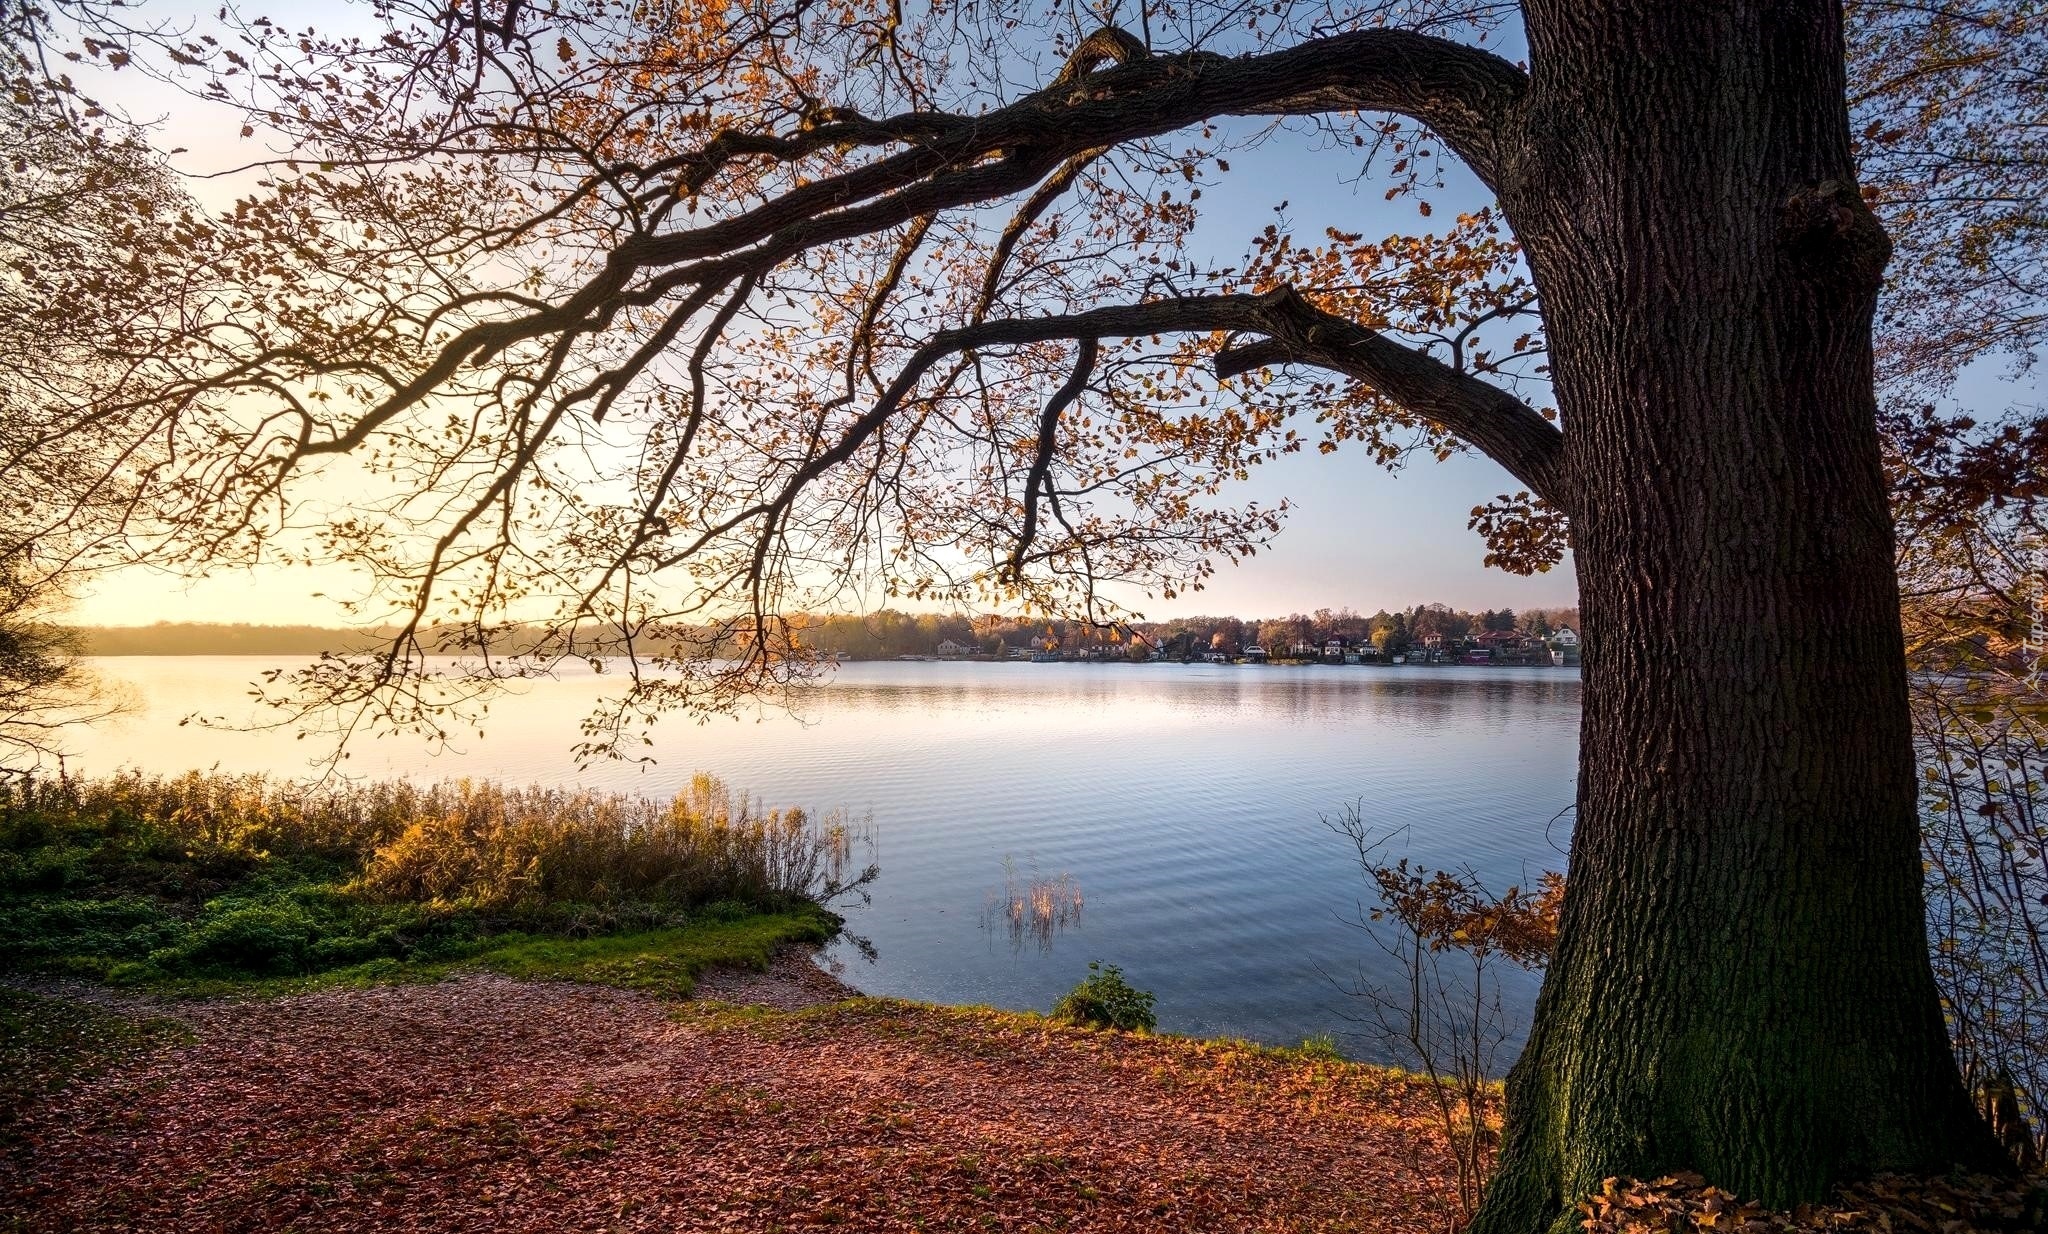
481	1103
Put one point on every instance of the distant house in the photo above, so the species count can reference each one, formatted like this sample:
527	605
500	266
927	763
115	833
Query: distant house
950	650
1564	648
1255	655
1334	649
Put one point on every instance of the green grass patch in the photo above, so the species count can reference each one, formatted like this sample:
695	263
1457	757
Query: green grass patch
1104	999
662	962
1322	1046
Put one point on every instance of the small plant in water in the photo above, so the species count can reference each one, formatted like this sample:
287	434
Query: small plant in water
1036	909
1105	1000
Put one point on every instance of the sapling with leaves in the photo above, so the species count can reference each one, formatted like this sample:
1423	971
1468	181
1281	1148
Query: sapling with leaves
1447	934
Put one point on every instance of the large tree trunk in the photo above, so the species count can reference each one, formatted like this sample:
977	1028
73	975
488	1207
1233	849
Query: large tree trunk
1741	984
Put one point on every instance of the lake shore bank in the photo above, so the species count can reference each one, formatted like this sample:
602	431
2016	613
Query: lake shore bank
483	1103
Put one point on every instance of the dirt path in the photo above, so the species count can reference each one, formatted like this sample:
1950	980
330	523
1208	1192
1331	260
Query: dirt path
483	1104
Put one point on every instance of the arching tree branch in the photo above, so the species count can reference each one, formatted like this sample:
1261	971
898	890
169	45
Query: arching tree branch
1468	96
1500	425
1503	427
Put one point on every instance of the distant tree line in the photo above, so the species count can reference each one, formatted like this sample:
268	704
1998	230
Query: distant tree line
208	638
891	632
1390	631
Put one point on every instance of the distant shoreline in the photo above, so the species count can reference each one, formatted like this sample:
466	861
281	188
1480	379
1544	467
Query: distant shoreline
900	639
933	660
218	639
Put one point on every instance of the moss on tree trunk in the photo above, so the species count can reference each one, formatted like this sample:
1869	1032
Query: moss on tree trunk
1741	984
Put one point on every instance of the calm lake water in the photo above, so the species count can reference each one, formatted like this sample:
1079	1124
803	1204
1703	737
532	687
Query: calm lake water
1185	802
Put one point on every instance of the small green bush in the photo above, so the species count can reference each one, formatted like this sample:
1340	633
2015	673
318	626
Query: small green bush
269	939
1105	1000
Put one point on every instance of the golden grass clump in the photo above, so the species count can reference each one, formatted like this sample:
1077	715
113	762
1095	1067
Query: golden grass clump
491	845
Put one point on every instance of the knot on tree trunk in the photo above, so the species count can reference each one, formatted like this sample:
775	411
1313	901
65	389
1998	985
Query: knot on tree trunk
1282	312
1107	44
817	114
1829	231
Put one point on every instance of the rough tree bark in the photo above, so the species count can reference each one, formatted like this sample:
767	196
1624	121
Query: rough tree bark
1741	984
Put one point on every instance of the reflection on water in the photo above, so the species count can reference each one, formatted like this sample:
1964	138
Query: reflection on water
1187	800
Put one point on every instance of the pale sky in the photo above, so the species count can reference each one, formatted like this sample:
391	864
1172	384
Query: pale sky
1358	537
